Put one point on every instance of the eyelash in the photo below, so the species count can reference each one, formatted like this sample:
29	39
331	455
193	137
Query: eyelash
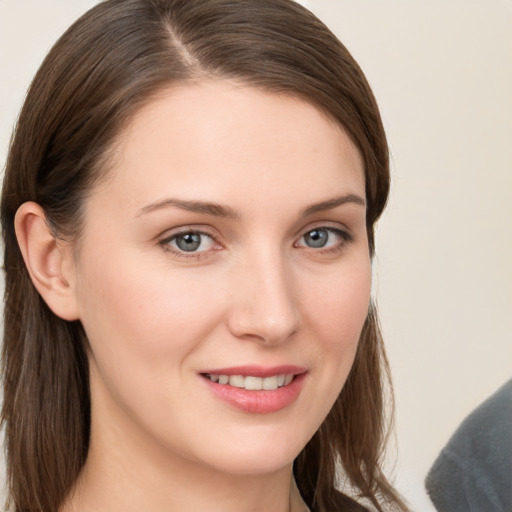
165	243
345	238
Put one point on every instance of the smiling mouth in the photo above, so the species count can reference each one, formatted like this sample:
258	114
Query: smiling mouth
252	383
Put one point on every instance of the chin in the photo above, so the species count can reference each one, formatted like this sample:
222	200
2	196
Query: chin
247	462
264	450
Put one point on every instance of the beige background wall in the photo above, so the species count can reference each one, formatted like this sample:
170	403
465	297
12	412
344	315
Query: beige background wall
442	73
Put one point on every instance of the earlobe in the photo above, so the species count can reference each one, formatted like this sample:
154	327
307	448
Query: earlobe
49	261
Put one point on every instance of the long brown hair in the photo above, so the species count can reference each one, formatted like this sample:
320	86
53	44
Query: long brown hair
110	63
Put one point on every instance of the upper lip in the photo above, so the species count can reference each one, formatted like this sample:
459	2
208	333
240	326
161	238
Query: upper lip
257	371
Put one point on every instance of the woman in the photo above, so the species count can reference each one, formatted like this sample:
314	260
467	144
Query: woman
188	214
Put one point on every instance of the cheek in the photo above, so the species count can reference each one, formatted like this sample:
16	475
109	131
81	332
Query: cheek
144	329
135	318
337	310
337	304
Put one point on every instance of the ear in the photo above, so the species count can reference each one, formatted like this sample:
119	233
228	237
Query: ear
49	261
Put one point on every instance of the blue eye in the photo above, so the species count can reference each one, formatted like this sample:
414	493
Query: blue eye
321	238
316	238
190	241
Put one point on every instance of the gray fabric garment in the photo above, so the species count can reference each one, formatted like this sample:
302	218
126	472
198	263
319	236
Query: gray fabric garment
473	473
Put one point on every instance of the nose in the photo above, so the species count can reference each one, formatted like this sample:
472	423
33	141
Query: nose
264	305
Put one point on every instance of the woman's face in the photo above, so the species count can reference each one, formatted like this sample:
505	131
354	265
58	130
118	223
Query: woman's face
227	251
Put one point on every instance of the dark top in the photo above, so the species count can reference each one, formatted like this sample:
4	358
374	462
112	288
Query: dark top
473	473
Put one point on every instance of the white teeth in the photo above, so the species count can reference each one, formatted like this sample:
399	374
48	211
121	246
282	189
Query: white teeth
252	383
237	381
270	383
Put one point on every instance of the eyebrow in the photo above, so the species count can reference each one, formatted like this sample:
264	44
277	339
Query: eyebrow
330	204
223	211
217	210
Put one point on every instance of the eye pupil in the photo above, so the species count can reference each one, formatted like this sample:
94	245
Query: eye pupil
189	242
316	238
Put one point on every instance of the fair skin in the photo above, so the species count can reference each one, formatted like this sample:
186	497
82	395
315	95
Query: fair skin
229	238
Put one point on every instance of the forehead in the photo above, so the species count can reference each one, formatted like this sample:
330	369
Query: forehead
219	137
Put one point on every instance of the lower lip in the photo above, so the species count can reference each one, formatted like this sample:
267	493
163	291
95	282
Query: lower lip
258	402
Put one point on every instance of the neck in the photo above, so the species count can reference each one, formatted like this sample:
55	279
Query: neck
144	477
117	491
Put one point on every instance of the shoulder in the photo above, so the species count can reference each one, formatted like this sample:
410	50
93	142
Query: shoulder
346	504
487	429
475	465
